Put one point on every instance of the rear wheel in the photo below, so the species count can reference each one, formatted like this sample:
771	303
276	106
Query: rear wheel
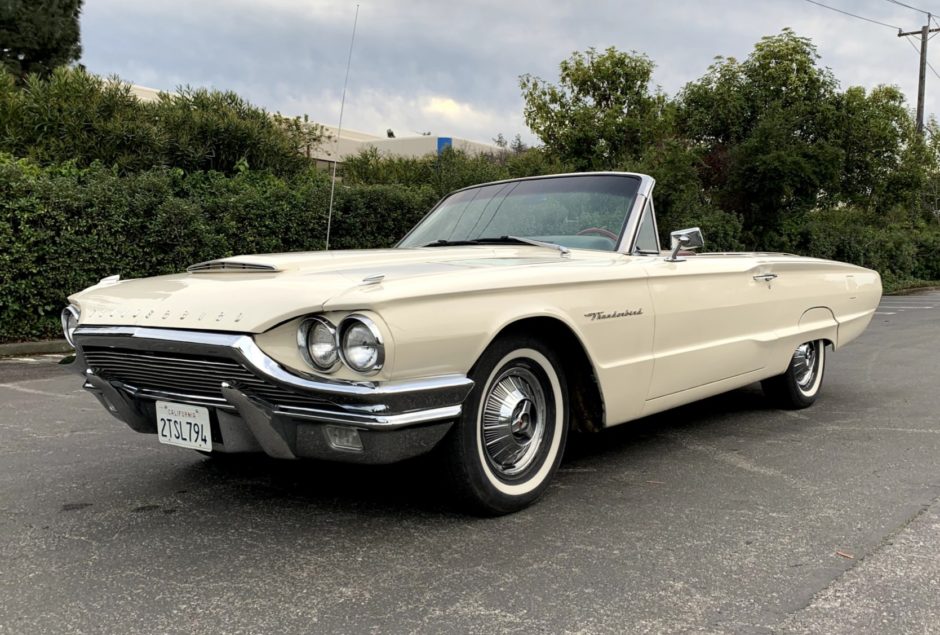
503	451
799	386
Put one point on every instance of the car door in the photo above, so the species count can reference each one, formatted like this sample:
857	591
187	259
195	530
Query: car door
713	319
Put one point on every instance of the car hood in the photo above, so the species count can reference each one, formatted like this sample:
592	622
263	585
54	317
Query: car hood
253	293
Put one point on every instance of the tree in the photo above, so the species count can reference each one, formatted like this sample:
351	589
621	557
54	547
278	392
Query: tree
602	111
515	146
886	163
38	35
779	140
768	130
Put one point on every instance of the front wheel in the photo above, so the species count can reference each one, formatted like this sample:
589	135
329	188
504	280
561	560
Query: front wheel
799	386
503	451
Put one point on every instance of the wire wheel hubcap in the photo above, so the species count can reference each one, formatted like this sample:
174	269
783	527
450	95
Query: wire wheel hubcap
513	421
804	365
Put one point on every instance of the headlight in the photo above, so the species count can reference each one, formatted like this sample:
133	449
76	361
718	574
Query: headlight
362	349
70	316
316	339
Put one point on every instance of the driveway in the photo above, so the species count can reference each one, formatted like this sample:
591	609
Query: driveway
723	516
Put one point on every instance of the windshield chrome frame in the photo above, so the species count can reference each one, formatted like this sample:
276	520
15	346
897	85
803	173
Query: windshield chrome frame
628	233
629	236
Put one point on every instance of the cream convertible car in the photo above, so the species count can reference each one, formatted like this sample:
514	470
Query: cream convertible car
512	312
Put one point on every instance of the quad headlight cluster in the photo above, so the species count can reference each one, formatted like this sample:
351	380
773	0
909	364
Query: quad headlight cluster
356	342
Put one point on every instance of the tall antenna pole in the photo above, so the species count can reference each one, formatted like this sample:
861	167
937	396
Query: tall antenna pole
339	129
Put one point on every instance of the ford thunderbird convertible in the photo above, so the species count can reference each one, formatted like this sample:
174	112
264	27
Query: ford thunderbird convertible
511	314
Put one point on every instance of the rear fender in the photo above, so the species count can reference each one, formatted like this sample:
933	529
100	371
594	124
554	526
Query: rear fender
819	323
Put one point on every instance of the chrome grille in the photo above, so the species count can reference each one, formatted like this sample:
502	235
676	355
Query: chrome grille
186	375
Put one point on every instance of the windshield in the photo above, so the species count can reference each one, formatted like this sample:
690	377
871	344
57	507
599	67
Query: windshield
580	212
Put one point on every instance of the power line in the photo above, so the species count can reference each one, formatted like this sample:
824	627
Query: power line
901	4
826	6
924	32
917	50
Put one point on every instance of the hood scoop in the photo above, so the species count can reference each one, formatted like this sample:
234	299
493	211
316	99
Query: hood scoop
230	266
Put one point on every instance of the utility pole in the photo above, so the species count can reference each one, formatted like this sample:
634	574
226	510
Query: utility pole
923	32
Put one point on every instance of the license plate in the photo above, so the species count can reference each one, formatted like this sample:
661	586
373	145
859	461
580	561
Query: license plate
185	426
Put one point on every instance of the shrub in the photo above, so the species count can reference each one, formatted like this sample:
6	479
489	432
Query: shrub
62	228
445	172
377	215
78	117
899	251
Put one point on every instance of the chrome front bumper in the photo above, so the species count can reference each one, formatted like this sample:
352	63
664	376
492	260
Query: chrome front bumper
258	405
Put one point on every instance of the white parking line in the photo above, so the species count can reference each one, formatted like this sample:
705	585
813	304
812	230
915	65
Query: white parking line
837	428
885	313
33	391
908	301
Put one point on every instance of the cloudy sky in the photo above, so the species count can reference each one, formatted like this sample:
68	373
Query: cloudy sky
452	67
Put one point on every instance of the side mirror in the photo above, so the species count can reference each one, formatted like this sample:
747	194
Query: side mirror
684	239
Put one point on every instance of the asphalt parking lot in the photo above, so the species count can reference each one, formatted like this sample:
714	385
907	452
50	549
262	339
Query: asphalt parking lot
723	516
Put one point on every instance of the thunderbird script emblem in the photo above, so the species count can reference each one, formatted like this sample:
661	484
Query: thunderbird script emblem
609	315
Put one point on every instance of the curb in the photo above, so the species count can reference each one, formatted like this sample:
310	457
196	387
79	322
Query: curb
17	349
914	290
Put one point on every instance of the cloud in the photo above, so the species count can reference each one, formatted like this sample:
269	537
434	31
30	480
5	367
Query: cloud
453	68
376	111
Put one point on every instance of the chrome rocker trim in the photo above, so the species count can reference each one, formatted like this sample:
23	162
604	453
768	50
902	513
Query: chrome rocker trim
416	412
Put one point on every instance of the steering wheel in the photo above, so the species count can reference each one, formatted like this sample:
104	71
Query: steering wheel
599	231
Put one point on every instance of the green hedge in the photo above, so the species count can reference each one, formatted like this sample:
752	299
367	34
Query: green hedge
63	228
900	248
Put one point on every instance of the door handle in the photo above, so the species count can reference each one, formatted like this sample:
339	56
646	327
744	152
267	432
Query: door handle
765	277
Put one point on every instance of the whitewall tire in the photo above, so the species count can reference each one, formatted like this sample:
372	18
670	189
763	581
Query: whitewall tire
799	385
503	451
